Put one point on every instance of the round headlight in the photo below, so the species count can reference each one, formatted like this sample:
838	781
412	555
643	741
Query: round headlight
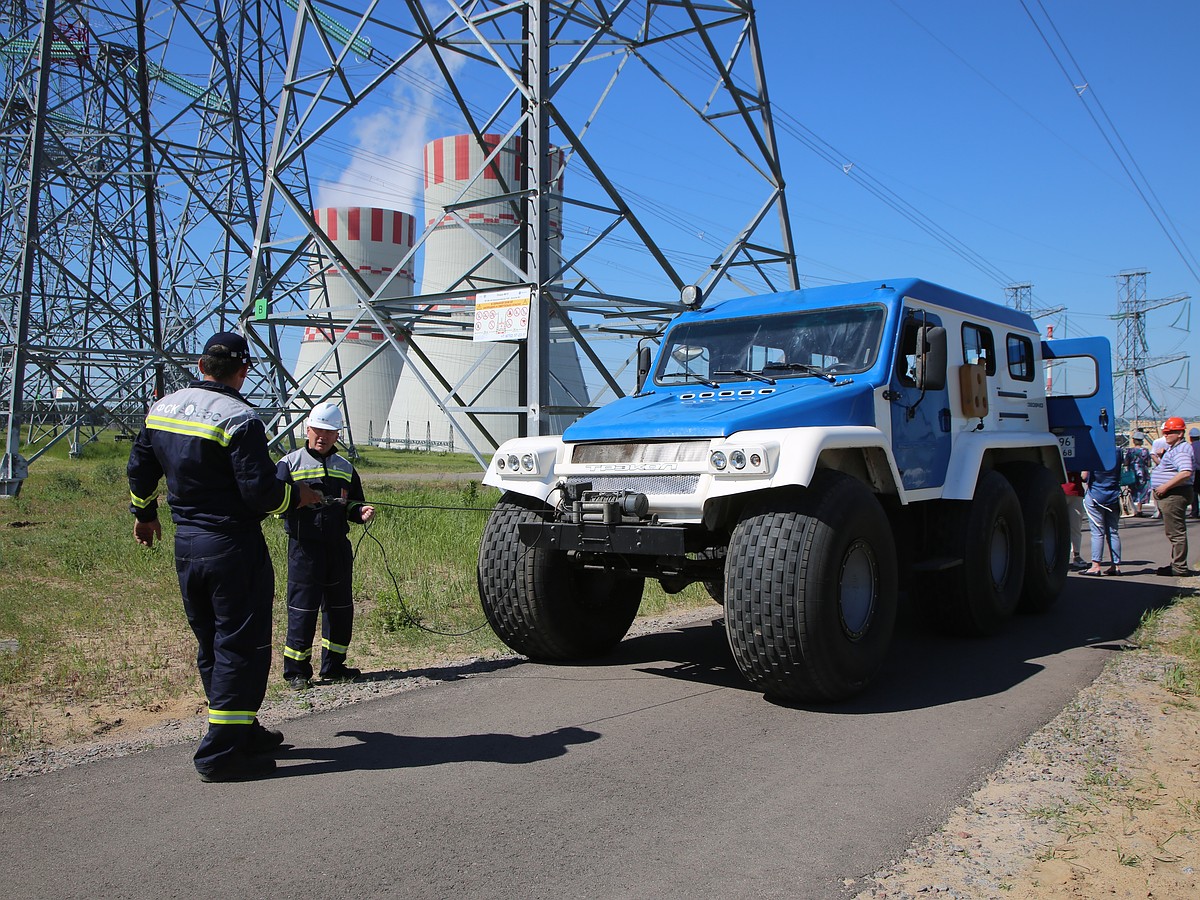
718	460
513	462
500	462
527	462
755	460
738	459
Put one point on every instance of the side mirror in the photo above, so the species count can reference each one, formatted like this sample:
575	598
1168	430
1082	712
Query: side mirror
931	357
643	366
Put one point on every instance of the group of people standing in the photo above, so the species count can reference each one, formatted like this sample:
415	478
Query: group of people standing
1167	471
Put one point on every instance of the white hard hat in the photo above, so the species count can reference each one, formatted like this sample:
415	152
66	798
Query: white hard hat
327	417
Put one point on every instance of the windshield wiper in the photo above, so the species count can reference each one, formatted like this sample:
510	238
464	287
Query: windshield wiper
691	376
747	373
803	367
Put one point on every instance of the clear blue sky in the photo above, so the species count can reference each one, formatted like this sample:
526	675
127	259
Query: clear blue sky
961	110
955	109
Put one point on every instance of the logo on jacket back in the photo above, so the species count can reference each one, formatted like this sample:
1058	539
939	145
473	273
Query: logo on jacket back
188	411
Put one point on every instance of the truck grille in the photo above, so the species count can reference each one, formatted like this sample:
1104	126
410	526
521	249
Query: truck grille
650	485
663	451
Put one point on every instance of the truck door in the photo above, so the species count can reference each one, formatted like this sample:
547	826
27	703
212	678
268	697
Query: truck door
920	419
1079	401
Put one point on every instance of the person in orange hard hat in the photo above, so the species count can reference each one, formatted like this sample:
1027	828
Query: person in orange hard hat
1171	483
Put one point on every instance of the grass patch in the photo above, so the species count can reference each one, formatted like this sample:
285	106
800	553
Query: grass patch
372	460
88	618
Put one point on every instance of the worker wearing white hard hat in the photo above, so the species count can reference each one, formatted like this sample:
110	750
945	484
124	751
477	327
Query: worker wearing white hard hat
320	558
326	417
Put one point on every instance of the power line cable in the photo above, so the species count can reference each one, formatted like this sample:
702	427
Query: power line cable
408	617
1082	89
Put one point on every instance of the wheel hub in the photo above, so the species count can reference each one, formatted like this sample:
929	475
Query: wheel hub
1000	553
857	589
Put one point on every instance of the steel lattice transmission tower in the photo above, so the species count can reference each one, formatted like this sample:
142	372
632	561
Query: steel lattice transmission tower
1135	401
1020	296
550	76
130	202
157	188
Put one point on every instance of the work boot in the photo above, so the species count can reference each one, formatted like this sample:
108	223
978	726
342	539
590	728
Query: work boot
263	739
341	672
299	683
239	767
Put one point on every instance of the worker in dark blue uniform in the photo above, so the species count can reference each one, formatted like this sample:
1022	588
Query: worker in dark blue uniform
320	559
211	447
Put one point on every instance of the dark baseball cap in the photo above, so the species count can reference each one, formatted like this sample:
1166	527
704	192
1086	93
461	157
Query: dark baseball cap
231	346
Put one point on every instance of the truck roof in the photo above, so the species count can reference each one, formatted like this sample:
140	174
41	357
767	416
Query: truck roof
882	291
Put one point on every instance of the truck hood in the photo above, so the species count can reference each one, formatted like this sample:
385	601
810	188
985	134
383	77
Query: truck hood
699	411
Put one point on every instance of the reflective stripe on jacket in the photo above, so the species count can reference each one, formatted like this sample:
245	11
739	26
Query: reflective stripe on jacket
334	476
211	447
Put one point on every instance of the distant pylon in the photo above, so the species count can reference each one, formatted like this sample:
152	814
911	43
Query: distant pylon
1134	399
1020	296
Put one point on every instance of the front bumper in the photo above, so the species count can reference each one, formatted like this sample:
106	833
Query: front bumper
593	537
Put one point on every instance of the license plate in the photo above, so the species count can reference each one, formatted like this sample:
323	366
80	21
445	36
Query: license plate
1066	444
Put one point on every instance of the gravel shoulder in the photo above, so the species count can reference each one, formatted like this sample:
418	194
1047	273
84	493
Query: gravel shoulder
1103	801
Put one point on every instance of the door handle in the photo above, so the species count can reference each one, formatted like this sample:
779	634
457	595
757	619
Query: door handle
1104	418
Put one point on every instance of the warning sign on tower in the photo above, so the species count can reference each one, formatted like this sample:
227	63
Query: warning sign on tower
502	315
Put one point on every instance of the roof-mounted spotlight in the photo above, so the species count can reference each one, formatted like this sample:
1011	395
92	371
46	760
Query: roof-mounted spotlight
691	296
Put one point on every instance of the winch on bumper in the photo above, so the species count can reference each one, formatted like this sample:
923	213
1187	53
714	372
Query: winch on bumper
604	522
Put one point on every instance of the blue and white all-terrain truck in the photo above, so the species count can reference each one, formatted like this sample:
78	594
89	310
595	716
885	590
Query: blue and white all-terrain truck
807	456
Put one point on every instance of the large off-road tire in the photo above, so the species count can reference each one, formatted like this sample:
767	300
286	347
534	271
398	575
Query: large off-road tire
988	534
537	602
810	590
1047	535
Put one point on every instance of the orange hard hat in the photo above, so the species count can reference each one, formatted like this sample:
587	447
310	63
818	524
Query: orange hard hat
1173	424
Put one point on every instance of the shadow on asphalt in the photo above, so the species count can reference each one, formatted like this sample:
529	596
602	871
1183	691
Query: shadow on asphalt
926	669
453	672
377	750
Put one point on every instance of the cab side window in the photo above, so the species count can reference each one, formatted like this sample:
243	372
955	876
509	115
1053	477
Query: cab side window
906	358
979	346
1020	357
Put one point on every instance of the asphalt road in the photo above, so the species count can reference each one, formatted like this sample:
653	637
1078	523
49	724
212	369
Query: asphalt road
653	773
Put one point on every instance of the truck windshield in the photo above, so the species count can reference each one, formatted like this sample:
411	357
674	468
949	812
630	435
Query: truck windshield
785	345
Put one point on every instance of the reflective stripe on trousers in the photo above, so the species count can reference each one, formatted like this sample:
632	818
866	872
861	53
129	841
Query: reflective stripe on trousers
319	581
227	585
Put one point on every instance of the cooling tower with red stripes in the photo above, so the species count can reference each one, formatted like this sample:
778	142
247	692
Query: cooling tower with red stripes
484	375
374	241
